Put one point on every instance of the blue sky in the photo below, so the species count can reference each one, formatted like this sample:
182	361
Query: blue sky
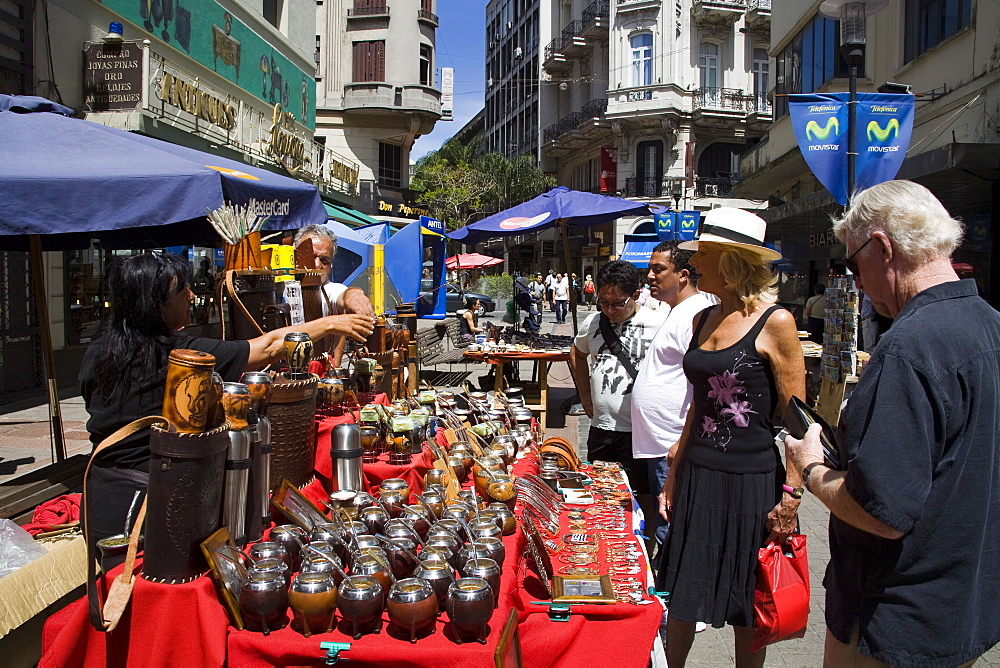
461	44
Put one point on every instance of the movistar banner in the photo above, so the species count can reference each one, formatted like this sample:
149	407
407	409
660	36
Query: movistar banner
884	124
884	127
819	121
687	224
665	225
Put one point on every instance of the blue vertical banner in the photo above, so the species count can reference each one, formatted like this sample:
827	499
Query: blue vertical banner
819	121
665	225
884	125
687	224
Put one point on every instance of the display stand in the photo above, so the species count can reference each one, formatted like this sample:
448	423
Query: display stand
838	364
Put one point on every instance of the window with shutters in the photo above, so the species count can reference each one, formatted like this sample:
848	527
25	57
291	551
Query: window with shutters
390	165
369	61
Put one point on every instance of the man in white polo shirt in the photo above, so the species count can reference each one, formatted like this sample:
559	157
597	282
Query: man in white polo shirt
662	393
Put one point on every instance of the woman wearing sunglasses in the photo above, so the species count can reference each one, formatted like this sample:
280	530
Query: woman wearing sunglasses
726	493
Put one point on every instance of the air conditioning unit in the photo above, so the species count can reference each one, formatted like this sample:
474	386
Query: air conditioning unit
518	52
489	82
493	45
711	190
510	24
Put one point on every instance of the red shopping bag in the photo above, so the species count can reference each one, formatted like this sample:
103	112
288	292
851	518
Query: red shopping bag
781	599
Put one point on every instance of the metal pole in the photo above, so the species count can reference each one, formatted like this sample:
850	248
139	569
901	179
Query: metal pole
44	328
563	225
852	141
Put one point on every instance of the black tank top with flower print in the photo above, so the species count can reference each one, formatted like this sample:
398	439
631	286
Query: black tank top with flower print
734	399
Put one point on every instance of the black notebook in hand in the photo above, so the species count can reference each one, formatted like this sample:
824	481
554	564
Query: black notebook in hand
799	416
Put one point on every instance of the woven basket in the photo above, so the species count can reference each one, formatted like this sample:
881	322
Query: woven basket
292	413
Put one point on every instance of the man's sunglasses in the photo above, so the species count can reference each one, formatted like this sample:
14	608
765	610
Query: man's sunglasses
851	263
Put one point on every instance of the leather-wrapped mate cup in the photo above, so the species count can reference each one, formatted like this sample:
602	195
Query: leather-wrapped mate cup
184	501
188	389
293	434
255	290
298	353
346	452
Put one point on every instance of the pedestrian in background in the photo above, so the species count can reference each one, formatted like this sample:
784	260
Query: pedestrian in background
560	289
915	516
816	313
589	291
550	280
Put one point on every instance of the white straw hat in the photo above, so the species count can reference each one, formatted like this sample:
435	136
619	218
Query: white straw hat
734	227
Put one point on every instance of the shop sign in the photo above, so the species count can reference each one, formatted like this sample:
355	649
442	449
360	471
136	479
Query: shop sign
340	171
196	101
112	76
827	238
400	209
609	170
285	145
432	224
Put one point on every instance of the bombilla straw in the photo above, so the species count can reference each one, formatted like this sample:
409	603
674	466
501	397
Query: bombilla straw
333	561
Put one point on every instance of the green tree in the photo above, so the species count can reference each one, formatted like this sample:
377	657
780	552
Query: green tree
460	184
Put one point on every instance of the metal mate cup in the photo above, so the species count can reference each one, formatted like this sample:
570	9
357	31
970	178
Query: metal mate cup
412	606
313	599
360	599
470	605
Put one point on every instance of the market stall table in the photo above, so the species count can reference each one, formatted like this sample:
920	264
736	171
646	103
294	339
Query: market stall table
186	624
543	359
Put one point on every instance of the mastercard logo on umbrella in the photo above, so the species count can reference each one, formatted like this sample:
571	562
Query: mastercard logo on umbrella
520	222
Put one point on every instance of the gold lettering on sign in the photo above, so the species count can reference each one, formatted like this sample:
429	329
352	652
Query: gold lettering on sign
384	206
187	96
342	172
285	145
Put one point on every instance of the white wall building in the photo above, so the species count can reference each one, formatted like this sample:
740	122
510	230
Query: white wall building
947	53
660	100
376	92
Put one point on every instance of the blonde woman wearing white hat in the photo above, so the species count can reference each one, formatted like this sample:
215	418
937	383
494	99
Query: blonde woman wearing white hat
724	493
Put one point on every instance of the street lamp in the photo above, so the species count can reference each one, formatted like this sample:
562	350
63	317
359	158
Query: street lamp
675	189
852	14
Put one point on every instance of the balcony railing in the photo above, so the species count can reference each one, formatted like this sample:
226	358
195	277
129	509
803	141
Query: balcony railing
373	10
431	16
554	47
643	187
597	10
714	186
593	109
757	103
572	29
720	98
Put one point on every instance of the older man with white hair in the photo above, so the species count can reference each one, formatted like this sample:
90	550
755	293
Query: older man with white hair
915	515
337	297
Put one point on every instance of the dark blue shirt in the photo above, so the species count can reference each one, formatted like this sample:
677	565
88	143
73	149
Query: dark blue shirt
922	437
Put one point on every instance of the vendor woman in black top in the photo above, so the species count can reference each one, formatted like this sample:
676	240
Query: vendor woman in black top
123	374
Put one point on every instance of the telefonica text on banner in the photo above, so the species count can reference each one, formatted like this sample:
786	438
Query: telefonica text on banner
883	126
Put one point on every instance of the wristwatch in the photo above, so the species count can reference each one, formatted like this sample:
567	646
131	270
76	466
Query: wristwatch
807	470
794	492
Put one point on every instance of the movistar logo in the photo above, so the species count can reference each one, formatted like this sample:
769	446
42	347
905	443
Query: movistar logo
814	131
883	134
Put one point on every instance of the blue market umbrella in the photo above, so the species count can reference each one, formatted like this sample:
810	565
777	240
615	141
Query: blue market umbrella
578	209
64	180
559	206
66	176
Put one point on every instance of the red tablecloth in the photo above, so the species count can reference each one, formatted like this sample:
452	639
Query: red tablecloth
186	625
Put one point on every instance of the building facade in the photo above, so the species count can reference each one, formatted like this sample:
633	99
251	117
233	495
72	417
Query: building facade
655	101
946	52
228	77
512	76
376	93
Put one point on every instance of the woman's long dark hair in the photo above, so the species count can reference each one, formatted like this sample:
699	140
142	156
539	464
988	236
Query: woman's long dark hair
134	342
